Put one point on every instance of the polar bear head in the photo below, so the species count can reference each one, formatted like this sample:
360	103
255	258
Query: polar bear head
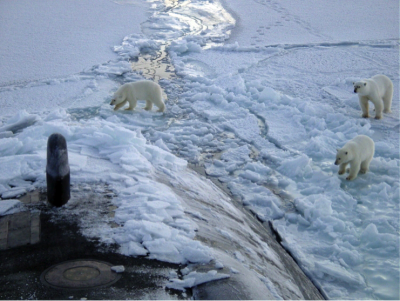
343	155
361	87
119	96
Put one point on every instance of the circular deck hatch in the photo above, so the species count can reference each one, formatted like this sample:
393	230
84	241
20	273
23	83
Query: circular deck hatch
79	274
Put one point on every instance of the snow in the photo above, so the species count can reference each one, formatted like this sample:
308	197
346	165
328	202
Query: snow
62	39
262	98
118	268
10	206
195	278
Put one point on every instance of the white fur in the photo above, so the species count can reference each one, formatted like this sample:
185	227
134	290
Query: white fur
140	90
358	152
379	90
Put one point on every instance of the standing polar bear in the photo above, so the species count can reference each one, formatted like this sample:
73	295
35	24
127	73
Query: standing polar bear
379	90
358	152
140	90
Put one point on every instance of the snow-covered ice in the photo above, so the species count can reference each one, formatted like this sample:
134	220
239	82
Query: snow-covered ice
10	206
118	268
261	98
195	278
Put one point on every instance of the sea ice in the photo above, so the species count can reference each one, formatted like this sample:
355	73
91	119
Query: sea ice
262	104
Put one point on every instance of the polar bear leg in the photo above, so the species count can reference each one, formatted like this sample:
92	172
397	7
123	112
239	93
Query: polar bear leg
148	106
342	168
132	105
364	106
378	107
161	107
365	166
118	106
354	169
387	99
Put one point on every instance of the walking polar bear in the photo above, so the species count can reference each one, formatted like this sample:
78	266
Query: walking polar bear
379	90
140	90
358	152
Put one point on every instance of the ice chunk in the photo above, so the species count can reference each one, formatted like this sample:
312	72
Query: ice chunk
133	248
117	68
295	167
219	265
373	239
135	44
197	253
314	206
20	121
160	143
340	273
269	95
239	154
6	134
182	46
195	278
10	146
10	206
13	192
118	268
163	250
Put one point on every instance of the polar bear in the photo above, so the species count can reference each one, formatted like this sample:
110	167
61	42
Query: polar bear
358	152
140	90
379	90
